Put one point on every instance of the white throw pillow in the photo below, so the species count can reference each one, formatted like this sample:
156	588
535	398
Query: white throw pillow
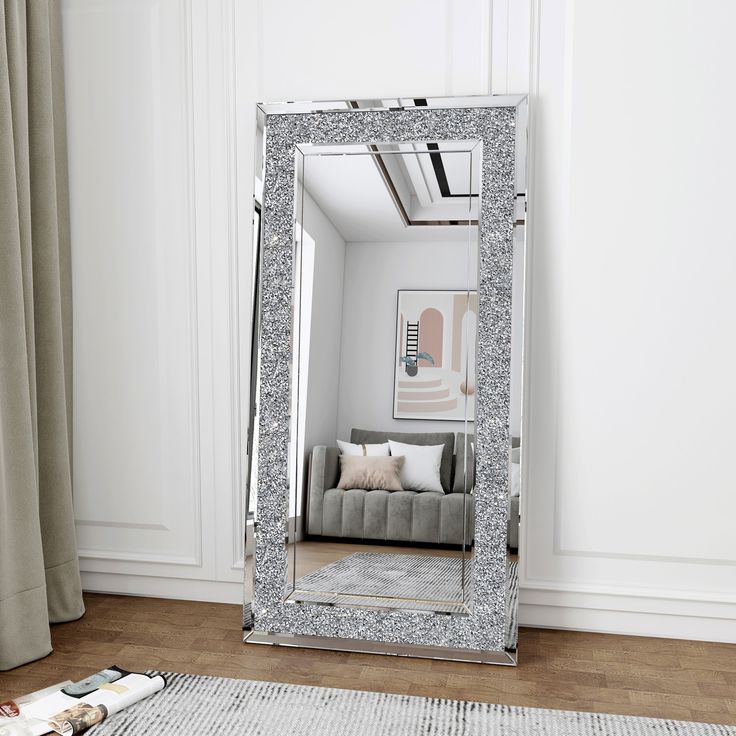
515	488
347	448
421	471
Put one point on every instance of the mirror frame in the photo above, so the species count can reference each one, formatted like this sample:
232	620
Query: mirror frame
499	124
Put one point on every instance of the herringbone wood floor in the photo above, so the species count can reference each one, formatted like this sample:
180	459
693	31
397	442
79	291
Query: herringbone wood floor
558	669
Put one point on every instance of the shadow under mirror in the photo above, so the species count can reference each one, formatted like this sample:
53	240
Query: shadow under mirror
383	376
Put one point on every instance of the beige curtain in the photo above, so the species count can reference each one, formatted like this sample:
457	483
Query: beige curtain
39	571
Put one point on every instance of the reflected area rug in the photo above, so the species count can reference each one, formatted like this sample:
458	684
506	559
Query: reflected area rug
409	581
198	705
419	582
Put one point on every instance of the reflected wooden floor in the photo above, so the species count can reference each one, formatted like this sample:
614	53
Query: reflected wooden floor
567	670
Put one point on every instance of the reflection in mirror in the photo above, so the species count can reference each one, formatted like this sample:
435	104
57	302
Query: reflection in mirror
383	376
515	485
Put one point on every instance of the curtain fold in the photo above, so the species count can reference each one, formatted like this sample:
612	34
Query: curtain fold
39	569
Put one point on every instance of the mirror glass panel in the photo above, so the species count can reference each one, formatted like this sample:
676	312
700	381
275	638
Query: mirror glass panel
515	426
375	519
383	376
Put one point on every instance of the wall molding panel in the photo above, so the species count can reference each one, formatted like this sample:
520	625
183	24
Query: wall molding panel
163	586
134	287
152	128
618	610
602	549
509	48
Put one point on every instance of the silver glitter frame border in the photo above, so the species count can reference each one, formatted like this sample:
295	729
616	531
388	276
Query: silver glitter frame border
498	127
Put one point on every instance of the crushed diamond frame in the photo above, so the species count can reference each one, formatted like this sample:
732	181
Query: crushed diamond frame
499	124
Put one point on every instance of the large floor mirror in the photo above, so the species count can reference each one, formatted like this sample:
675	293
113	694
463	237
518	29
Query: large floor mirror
385	445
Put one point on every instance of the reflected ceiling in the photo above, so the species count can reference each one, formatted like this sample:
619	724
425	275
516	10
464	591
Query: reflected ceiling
408	192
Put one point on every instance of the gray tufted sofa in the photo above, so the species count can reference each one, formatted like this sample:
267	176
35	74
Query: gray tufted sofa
399	516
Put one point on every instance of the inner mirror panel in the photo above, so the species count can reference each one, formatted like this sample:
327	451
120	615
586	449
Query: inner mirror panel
385	310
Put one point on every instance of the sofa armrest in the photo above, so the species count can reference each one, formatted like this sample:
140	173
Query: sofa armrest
324	473
513	522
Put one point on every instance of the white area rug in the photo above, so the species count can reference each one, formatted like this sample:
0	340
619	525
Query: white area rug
192	705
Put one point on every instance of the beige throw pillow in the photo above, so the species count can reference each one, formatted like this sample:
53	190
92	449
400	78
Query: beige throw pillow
371	473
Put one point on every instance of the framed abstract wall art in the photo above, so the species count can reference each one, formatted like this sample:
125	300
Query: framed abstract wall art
434	371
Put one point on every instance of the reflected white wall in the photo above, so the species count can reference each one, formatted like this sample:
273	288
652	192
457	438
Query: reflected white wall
374	273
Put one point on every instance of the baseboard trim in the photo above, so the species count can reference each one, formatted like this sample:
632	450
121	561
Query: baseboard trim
607	613
613	612
149	586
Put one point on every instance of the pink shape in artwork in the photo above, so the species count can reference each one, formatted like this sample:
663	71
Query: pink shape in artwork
430	334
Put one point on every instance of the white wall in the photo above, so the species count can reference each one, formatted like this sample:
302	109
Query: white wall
630	504
161	171
327	325
319	408
155	235
374	272
329	49
629	363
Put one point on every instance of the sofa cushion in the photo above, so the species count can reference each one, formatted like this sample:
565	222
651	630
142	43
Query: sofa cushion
332	512
353	506
402	516
399	517
375	514
464	457
457	519
369	436
425	517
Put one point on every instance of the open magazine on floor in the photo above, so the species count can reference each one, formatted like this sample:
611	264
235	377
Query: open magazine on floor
68	708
